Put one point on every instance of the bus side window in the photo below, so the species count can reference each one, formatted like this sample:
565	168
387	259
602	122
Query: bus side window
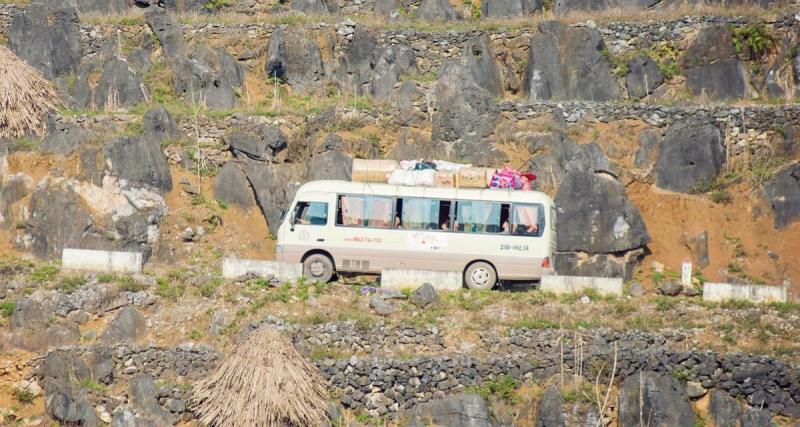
419	214
378	212
527	220
350	211
479	217
311	213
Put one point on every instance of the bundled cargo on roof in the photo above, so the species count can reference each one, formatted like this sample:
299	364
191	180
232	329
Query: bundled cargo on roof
439	173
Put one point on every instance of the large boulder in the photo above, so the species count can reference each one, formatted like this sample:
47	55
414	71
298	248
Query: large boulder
46	35
692	154
293	57
16	187
598	265
550	411
366	69
318	7
564	6
159	125
463	410
465	115
437	10
596	216
558	155
64	138
168	30
127	326
68	404
120	85
783	194
509	8
712	67
139	160
567	63
330	164
59	219
653	399
649	142
144	401
392	63
644	76
262	143
479	60
209	77
274	185
724	409
231	186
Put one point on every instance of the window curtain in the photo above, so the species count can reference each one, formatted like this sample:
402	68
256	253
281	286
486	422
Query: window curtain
352	210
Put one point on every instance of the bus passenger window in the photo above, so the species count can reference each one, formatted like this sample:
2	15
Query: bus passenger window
351	211
378	212
478	217
311	213
527	220
419	214
444	215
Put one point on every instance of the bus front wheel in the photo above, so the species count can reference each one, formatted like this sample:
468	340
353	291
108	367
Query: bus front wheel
318	267
480	276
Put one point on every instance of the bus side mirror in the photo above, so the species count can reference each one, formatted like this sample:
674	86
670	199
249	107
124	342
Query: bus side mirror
293	220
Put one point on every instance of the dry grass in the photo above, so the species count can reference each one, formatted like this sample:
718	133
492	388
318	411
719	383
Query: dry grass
606	16
264	382
25	97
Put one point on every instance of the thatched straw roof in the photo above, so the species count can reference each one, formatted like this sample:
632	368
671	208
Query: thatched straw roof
264	382
25	97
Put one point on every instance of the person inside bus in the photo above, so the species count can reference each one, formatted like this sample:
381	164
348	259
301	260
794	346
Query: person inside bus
526	230
445	226
397	223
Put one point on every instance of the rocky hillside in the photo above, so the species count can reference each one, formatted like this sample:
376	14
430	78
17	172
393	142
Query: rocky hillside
663	130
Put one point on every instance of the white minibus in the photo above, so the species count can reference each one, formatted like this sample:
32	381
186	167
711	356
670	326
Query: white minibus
488	234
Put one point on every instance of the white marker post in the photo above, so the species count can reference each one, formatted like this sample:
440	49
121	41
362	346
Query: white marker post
686	272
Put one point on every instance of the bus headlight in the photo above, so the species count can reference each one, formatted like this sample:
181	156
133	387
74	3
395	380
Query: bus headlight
278	249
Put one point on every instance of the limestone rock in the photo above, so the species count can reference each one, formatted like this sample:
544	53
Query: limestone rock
46	36
691	154
231	186
643	77
782	192
462	410
566	63
662	398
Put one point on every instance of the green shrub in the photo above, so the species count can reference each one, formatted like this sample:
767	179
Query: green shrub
106	278
216	4
503	387
45	273
534	323
756	39
70	284
720	197
7	307
24	396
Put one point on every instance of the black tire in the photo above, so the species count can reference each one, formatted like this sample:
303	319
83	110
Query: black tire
318	267
480	276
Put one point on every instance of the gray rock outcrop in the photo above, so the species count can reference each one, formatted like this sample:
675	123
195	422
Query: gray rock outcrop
437	10
712	67
46	36
550	411
606	232
120	85
657	400
127	326
462	410
567	63
692	154
509	8
231	186
293	57
782	192
643	77
139	160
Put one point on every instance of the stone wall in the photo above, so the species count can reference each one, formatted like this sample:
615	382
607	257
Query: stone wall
378	379
430	47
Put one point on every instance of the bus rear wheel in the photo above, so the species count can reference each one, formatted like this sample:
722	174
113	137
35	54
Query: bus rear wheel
480	276
318	267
